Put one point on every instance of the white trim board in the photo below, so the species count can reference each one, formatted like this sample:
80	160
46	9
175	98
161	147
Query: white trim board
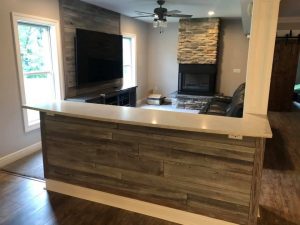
260	56
20	154
149	209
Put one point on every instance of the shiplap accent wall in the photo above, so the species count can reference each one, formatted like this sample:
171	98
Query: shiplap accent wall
77	14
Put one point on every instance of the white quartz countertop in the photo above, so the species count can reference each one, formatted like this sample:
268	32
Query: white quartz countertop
250	125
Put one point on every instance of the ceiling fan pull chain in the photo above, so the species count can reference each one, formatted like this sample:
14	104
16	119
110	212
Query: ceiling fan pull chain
161	30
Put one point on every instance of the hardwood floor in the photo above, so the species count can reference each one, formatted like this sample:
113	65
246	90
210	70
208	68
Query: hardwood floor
280	196
29	166
24	201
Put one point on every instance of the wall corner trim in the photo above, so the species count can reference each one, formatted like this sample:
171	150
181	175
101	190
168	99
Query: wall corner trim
20	154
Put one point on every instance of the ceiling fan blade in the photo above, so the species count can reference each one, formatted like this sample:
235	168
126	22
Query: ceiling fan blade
173	12
141	16
180	15
141	12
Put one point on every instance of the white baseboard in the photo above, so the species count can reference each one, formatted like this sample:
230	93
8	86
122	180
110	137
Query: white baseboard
149	209
20	154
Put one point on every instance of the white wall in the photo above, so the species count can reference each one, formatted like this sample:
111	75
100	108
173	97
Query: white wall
12	136
233	54
140	29
163	66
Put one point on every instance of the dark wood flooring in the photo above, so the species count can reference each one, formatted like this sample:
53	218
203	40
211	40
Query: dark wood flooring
280	196
29	166
24	201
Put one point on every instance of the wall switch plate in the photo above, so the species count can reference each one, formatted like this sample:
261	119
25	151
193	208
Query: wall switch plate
237	70
237	137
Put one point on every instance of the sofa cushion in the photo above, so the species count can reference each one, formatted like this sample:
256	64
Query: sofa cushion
233	106
236	107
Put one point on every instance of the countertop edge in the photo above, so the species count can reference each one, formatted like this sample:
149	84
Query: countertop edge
156	125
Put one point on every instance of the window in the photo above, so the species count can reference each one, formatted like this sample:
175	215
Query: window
129	50
38	63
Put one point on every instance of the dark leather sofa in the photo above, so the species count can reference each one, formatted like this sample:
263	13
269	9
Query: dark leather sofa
228	106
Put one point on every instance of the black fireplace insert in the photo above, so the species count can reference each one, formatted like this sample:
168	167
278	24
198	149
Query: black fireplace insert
197	79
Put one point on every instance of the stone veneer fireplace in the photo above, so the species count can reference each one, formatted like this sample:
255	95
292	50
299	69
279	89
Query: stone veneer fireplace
197	56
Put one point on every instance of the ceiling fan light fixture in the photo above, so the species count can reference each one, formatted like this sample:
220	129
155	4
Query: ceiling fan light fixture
163	23
211	13
160	22
160	15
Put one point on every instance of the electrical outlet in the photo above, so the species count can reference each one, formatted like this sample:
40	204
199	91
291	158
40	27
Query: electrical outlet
237	137
237	70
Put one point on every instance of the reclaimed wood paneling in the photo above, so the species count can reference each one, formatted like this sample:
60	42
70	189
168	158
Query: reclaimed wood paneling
197	159
217	209
78	14
201	173
225	150
256	181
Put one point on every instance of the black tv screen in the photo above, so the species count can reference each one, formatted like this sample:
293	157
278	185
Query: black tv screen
99	57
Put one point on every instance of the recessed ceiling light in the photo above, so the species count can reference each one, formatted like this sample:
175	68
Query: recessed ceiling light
211	13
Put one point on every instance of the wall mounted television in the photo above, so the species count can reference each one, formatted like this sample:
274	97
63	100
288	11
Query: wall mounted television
99	57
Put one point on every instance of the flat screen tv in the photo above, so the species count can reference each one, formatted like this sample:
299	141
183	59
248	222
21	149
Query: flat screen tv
99	57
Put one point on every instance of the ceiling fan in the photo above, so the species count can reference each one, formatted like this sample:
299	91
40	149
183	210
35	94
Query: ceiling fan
160	15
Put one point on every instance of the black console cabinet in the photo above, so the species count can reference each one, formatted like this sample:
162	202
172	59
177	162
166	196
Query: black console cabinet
120	97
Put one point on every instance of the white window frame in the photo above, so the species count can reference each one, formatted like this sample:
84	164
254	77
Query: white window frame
56	55
134	58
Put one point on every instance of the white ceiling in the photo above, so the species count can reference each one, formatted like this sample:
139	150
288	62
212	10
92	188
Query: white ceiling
197	8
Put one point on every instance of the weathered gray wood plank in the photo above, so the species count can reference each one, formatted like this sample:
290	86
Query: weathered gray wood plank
256	182
174	139
196	174
199	175
218	163
205	190
115	186
203	147
72	129
247	141
78	14
129	162
228	212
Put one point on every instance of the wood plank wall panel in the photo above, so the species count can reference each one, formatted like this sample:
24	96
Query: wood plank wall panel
256	181
77	14
206	174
